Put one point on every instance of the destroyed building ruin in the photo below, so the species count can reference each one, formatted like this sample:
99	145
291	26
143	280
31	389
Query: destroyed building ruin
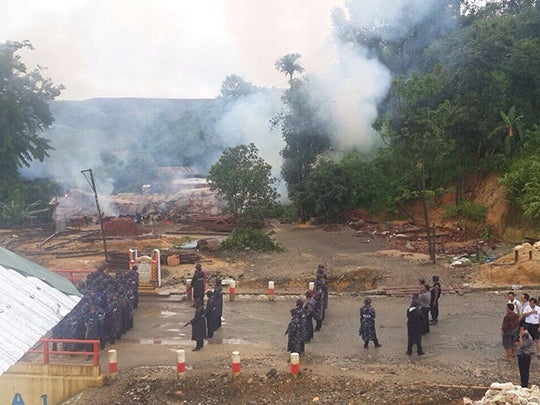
189	197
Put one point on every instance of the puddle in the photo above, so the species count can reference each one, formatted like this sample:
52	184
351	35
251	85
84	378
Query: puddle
167	313
180	340
232	341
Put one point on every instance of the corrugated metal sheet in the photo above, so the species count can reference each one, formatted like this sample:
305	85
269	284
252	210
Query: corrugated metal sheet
11	260
29	307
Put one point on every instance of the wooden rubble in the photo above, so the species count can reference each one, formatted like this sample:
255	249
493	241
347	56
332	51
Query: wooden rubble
412	236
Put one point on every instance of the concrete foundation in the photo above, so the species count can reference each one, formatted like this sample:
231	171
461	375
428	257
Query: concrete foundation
58	381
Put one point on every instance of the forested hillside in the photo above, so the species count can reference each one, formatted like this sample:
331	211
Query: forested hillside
411	109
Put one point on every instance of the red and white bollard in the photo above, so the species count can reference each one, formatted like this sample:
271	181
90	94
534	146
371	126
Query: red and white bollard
132	257
271	291
295	364
235	365
113	365
180	363
311	286
232	290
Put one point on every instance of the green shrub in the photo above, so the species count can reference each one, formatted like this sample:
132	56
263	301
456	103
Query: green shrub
522	186
285	213
249	238
467	210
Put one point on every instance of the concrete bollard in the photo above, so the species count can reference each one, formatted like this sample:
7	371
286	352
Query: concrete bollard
295	364
232	290
113	365
311	286
271	291
235	366
180	363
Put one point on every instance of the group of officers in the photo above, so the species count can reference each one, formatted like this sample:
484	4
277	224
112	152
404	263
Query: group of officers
423	303
105	311
300	329
308	315
206	319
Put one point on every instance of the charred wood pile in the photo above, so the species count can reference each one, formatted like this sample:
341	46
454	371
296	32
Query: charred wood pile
177	257
412	236
213	223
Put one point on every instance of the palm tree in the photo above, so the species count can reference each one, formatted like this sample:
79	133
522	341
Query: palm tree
289	65
509	126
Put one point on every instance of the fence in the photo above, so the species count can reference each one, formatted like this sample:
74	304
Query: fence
44	347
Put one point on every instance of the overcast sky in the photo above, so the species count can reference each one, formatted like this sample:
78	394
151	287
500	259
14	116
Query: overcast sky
165	48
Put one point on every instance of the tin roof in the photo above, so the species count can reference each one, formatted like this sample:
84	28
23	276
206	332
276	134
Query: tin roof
32	301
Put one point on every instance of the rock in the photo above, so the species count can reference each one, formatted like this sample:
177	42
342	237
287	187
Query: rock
272	373
507	393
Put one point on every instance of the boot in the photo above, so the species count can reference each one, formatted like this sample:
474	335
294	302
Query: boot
377	344
366	344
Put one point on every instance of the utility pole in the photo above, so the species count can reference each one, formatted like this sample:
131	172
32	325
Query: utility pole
92	185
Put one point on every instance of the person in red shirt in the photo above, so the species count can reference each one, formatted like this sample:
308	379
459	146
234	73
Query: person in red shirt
509	328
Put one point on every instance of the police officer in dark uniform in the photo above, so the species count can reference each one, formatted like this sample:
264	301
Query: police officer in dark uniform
415	326
197	284
295	342
198	326
309	309
367	324
91	324
435	295
211	314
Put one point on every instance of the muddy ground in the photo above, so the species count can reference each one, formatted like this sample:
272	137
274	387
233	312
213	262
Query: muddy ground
464	353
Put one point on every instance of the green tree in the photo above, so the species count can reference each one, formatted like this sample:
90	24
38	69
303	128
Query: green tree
306	137
417	134
494	66
24	112
234	87
289	65
244	181
327	191
509	132
15	212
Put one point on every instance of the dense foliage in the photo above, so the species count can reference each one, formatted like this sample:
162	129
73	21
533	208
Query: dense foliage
244	181
466	101
24	114
249	239
305	134
465	98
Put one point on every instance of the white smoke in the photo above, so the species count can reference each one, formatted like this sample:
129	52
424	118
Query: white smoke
347	86
347	94
71	155
391	18
247	120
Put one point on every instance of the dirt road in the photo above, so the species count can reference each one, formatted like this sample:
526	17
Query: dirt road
464	349
466	341
463	352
